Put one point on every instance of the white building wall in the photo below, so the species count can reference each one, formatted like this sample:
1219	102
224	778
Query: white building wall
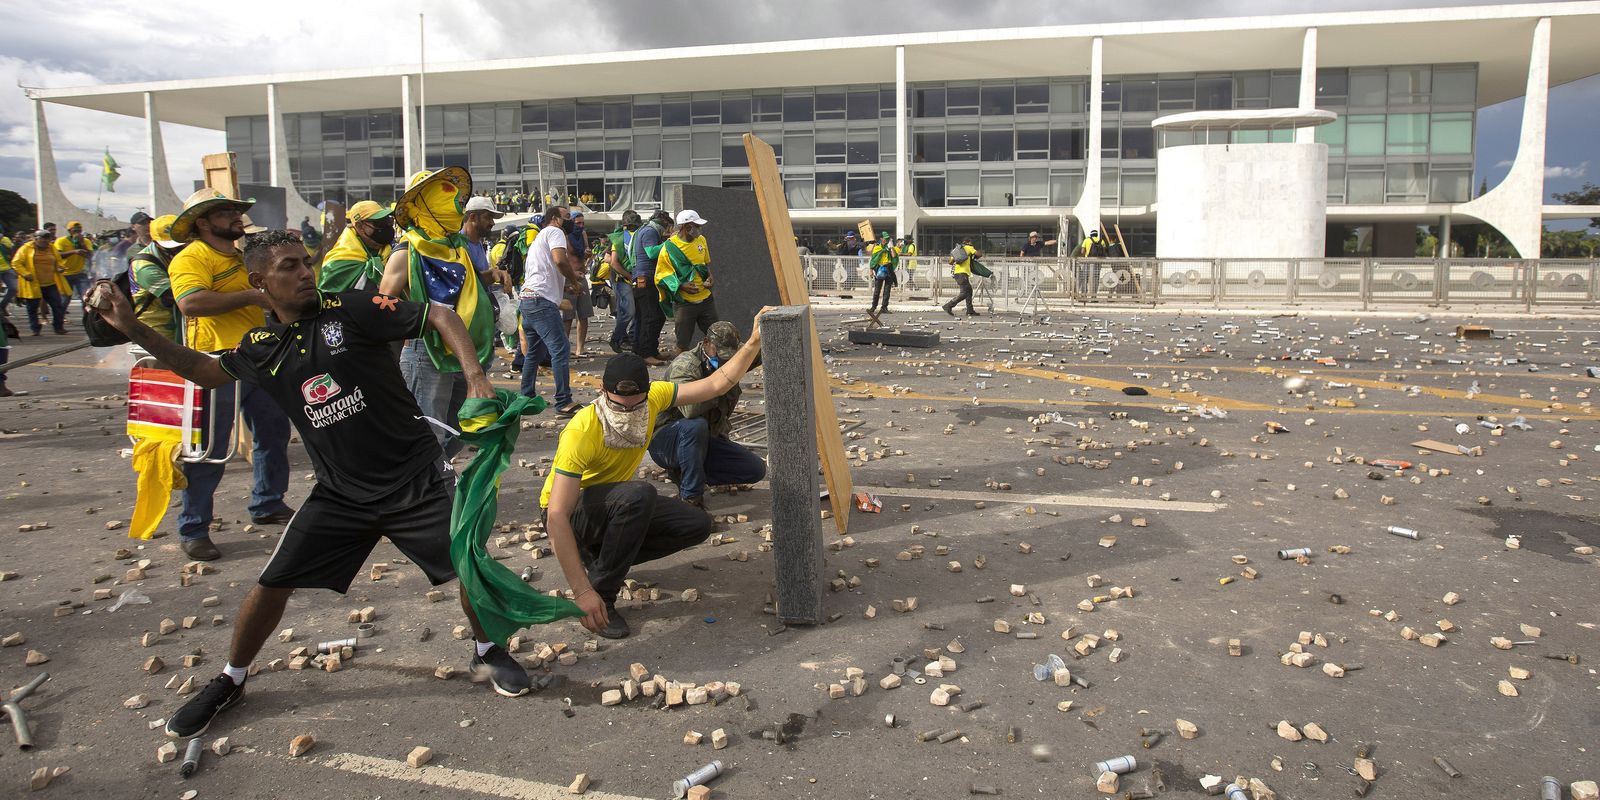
1242	200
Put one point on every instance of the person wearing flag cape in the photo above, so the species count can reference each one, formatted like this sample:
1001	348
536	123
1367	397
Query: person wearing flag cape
325	362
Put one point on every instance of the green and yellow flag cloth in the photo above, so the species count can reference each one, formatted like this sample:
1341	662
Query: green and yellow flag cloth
682	264
503	602
441	267
348	262
108	172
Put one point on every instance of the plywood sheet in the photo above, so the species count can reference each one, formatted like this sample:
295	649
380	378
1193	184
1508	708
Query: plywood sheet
768	185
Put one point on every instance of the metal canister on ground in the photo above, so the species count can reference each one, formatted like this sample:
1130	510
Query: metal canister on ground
191	757
700	776
1399	531
1549	788
1120	765
1235	792
335	645
1286	555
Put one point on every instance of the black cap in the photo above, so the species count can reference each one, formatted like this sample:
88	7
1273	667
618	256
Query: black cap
138	217
626	374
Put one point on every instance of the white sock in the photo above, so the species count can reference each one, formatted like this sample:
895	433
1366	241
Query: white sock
483	647
236	674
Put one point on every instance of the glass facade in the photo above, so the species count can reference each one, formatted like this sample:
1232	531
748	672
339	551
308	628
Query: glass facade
1404	135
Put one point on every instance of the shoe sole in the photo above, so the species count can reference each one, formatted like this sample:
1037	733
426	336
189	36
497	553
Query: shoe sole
485	672
171	734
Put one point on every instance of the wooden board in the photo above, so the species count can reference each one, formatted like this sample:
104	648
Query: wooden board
220	173
864	227
768	185
1437	446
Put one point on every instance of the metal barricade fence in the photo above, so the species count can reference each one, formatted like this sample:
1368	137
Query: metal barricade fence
1027	285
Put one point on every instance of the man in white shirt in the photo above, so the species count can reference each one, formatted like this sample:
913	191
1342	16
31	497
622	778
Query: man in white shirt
551	275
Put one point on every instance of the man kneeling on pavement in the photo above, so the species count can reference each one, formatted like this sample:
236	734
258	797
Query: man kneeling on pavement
691	441
592	503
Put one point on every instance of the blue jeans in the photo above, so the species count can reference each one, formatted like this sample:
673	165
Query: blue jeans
439	394
57	305
8	287
80	285
547	338
622	298
686	445
271	431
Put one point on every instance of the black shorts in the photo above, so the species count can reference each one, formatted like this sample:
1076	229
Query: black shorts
330	537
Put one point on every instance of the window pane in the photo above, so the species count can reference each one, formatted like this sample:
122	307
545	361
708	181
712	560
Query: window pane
675	153
1211	94
863	191
1067	98
928	191
863	151
1138	143
1033	144
563	117
1364	136
1175	94
481	156
733	154
1065	190
1365	188
962	183
1332	84
646	113
797	109
674	115
961	101
1033	183
863	105
1138	95
1451	133
1368	89
768	108
1332	135
1138	189
1033	98
927	102
1410	84
830	189
506	124
736	111
927	147
1067	144
617	158
1455	87
647	146
647	190
1408	133
800	193
961	146
997	191
705	112
707	145
1407	181
618	116
480	119
1449	185
830	105
830	147
799	149
998	101
508	160
997	145
1285	90
535	117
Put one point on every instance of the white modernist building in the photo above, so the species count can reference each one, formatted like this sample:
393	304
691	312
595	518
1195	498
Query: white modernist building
1276	136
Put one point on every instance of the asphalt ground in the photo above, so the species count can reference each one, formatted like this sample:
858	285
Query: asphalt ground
943	441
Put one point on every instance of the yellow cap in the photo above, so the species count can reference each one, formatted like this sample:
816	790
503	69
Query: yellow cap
368	209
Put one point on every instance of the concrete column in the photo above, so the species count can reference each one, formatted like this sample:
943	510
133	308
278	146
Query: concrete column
1515	207
296	207
1444	237
1308	84
411	142
1088	209
162	199
906	211
52	201
792	465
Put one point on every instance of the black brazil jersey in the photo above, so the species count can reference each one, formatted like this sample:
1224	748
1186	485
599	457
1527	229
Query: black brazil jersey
336	378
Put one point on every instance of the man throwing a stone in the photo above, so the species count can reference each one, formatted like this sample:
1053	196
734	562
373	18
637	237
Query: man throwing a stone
600	520
326	362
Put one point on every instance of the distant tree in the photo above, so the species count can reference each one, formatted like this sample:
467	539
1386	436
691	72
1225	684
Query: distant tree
16	213
1589	195
1483	187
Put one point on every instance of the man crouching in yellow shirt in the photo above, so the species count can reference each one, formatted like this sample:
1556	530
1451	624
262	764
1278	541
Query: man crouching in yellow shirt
601	522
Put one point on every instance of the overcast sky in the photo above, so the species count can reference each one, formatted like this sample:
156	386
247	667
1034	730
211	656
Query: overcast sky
106	42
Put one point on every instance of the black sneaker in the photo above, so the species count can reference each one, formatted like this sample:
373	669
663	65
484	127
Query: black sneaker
508	678
192	720
616	626
948	310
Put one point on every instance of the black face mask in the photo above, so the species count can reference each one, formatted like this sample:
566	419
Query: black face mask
382	232
567	226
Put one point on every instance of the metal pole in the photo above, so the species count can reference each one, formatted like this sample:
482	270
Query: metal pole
422	89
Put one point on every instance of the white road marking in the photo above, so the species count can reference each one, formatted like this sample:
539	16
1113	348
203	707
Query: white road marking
1084	500
480	782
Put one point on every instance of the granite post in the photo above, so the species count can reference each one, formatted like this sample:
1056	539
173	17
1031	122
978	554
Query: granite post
792	464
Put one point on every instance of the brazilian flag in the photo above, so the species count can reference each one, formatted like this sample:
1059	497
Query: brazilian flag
108	172
442	272
504	603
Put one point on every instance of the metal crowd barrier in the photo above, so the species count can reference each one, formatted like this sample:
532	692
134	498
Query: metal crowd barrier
1028	285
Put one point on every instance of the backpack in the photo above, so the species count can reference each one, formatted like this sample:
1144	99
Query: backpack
958	254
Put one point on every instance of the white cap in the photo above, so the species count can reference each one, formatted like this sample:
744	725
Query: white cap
688	215
480	203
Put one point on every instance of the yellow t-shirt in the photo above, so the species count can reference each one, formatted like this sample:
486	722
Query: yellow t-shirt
72	265
582	452
964	267
201	266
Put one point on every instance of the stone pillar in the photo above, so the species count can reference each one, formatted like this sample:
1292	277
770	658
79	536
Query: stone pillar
51	199
162	199
1308	85
1444	237
1516	206
411	142
906	211
792	464
295	207
1088	208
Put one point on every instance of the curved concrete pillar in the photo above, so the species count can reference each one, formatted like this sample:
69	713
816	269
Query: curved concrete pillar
1308	84
52	200
296	207
1088	209
1516	206
906	212
411	142
162	199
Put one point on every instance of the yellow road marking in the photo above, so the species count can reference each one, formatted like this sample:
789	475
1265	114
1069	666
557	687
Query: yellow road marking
460	779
